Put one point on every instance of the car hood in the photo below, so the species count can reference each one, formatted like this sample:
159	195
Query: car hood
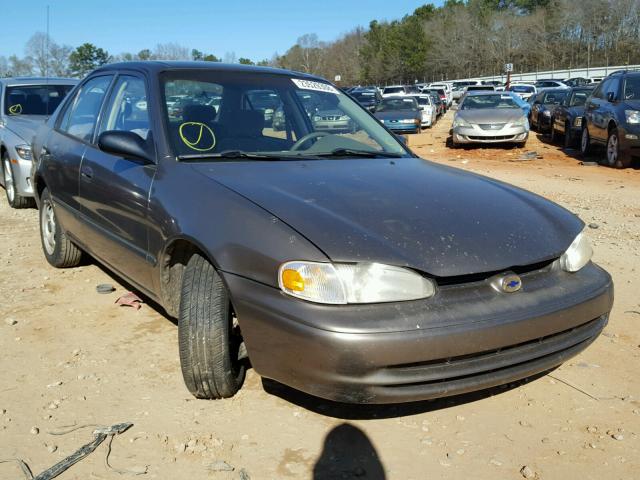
25	126
397	114
407	212
491	115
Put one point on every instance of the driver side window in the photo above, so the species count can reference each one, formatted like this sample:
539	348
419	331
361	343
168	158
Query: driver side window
128	108
80	118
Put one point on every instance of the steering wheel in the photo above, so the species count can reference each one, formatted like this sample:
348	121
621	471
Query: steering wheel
309	136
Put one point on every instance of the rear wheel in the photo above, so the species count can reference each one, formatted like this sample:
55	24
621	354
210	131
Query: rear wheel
59	251
613	149
13	198
211	348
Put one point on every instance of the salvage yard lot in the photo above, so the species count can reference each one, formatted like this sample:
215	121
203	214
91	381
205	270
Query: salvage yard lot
70	356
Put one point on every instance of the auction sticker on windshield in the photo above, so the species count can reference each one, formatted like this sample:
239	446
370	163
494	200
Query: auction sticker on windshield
317	86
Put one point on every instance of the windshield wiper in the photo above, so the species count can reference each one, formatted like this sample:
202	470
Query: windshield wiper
352	152
230	155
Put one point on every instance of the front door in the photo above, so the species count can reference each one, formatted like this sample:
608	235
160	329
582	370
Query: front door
114	190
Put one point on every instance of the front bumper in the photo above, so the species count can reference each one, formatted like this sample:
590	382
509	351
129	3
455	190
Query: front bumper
468	337
21	174
402	127
333	126
475	134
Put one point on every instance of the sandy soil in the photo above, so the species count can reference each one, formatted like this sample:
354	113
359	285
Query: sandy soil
70	356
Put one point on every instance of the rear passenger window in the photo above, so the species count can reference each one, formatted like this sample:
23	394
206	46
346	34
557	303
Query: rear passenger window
127	109
80	118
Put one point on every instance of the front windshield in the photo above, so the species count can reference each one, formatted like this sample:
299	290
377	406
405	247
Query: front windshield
34	99
392	90
473	102
554	97
259	113
521	89
632	88
395	104
579	98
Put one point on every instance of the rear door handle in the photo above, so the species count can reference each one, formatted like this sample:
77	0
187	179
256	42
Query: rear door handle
87	172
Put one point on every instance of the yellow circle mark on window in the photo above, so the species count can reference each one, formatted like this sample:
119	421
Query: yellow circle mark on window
197	136
15	109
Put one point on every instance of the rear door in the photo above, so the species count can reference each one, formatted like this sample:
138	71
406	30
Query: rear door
114	191
66	145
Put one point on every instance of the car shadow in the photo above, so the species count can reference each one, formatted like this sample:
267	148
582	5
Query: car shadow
348	453
572	152
348	411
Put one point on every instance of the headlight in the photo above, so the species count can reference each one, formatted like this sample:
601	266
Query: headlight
521	122
316	118
577	122
547	113
344	117
460	122
633	116
352	283
406	120
577	255
24	151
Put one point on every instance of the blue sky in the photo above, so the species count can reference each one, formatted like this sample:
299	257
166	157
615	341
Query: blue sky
250	28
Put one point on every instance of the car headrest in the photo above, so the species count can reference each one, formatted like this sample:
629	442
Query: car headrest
247	123
199	113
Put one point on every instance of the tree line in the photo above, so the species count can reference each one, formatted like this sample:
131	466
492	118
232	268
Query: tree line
460	39
473	38
44	57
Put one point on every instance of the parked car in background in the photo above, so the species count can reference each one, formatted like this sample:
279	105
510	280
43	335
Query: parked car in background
497	84
542	106
526	106
489	117
368	98
566	118
447	91
525	91
479	88
442	94
577	81
437	102
340	265
25	104
400	114
550	84
428	109
458	88
612	118
395	90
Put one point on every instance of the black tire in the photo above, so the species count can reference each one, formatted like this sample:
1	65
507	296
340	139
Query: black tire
585	142
59	251
209	341
553	133
13	199
614	158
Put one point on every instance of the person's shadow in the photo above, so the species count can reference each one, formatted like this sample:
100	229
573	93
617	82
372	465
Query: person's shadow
348	453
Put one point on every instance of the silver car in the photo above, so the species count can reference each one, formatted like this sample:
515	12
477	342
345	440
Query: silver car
489	117
25	103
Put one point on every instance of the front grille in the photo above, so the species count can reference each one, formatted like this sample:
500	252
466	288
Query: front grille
495	138
480	277
458	368
491	126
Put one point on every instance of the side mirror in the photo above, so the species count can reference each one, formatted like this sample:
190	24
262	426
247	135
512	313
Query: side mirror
611	96
124	144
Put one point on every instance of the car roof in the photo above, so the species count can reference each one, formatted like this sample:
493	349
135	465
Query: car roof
12	81
157	66
478	93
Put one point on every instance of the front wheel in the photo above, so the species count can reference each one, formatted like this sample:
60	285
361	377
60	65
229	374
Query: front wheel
613	149
211	348
13	198
585	142
59	251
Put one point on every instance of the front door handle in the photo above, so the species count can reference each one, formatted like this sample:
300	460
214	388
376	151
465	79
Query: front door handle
87	172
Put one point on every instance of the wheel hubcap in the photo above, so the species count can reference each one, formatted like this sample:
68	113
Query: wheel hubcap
48	227
8	181
612	150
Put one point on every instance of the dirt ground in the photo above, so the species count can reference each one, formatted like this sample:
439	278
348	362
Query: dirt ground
72	357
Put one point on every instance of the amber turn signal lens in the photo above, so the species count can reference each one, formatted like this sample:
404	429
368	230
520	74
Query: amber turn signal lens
292	280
